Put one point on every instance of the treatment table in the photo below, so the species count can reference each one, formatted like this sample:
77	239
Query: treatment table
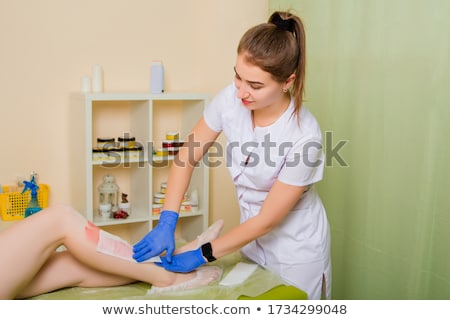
261	284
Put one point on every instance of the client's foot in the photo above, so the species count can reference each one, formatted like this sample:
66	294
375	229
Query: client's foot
210	234
203	277
207	236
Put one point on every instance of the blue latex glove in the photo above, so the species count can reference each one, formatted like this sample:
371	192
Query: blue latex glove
184	262
159	239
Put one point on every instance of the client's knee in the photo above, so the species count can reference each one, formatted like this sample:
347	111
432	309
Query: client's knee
63	213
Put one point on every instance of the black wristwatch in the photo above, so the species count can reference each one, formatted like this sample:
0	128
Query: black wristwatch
207	252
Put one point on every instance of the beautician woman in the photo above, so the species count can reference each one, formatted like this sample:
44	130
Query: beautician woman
275	157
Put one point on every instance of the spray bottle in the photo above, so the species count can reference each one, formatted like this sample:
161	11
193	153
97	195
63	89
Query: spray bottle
33	205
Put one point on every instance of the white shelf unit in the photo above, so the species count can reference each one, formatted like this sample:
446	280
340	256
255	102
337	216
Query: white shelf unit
147	117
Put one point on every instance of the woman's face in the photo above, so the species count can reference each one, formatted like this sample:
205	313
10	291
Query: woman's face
256	88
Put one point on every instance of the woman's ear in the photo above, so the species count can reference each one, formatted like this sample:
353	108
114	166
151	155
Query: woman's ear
289	81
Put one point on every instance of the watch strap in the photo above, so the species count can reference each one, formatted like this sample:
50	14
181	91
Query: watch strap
207	252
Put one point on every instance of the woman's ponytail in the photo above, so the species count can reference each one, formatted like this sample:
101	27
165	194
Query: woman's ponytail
278	47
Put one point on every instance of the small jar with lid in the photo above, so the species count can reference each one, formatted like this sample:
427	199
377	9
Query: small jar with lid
157	208
186	206
125	207
172	135
159	198
105	210
163	187
161	152
171	146
136	152
126	142
106	143
99	154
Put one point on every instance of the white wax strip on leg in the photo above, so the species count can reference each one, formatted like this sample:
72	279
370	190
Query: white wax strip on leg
238	274
204	276
114	246
152	259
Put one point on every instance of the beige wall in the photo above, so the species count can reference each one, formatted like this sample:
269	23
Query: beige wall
48	45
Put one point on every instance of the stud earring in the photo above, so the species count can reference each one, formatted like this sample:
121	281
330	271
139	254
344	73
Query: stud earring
285	90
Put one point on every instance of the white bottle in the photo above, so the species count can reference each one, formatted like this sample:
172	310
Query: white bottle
194	200
97	79
86	84
157	77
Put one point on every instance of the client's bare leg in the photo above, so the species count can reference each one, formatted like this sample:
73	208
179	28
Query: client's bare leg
112	245
30	266
63	270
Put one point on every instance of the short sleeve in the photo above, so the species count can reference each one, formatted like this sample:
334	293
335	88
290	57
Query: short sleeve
304	163
213	113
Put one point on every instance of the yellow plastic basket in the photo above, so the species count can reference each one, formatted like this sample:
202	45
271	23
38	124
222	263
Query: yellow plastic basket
14	204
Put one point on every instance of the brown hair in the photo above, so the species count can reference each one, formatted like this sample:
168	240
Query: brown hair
278	47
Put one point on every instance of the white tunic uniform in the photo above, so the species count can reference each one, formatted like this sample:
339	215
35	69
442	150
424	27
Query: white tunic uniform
298	249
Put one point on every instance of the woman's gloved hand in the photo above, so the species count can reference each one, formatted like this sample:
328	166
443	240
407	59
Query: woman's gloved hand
183	262
159	239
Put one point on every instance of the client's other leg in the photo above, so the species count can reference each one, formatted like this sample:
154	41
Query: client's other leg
62	270
25	248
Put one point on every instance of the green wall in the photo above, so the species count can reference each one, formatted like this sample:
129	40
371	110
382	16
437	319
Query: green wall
378	77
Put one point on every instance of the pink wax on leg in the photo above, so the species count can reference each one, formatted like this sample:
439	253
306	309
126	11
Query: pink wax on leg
114	246
92	232
108	244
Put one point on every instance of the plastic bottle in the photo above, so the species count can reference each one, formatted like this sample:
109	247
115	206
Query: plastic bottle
33	205
194	199
157	77
97	78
